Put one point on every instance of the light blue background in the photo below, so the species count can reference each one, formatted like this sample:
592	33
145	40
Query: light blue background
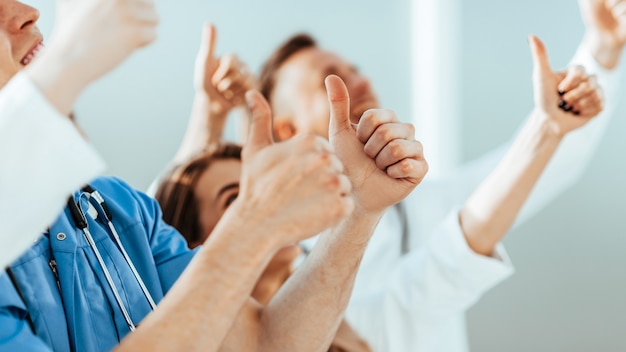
569	291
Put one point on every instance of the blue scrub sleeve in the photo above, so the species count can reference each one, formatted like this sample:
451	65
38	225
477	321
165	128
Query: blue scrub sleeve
169	248
15	333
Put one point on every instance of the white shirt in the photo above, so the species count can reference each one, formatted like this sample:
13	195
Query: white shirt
43	158
417	302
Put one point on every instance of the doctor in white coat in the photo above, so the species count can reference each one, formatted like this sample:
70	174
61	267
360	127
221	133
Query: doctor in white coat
432	257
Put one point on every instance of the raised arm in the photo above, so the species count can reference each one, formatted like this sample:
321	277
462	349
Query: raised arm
384	164
602	44
289	191
489	213
36	136
220	85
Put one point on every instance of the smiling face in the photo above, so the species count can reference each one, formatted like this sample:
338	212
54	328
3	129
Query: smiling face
20	39
299	94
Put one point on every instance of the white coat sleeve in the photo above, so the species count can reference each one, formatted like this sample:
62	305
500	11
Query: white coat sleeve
441	276
43	159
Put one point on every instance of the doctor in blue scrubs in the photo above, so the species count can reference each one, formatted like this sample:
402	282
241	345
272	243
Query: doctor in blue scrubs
95	277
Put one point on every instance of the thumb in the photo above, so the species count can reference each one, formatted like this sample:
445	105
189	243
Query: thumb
260	130
207	45
541	63
339	100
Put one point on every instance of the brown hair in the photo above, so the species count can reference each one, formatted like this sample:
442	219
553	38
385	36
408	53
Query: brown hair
176	192
290	47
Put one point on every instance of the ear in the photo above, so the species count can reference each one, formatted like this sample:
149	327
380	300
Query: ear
284	128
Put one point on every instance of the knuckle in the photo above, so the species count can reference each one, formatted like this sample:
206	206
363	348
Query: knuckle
411	128
407	167
584	86
384	132
334	182
391	114
324	160
396	149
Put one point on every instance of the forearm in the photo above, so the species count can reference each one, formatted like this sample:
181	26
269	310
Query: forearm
577	149
52	73
491	210
202	306
305	313
205	127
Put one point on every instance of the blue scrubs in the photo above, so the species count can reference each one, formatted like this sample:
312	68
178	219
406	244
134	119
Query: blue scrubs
75	310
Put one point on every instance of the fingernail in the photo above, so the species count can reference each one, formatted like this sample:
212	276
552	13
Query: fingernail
576	113
561	92
562	104
568	108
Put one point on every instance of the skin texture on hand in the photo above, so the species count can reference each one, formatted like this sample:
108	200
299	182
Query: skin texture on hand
80	51
224	80
605	21
297	186
220	85
381	157
289	191
319	290
491	210
582	96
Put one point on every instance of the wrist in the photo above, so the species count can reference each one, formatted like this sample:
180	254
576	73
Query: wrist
58	82
251	227
605	49
360	212
545	127
214	106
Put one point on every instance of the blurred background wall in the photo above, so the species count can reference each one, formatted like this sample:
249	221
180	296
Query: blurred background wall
569	290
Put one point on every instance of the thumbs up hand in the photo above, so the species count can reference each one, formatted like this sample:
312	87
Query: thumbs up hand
382	159
294	189
569	100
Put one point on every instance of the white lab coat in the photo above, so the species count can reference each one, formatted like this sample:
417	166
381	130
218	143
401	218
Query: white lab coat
43	159
417	302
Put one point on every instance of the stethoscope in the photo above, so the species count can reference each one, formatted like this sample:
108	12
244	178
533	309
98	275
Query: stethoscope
96	200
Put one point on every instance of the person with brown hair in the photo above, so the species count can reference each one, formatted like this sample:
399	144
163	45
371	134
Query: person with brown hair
412	291
434	255
195	195
93	280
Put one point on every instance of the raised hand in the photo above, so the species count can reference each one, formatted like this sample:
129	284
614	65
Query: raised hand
224	80
605	21
99	34
293	189
582	98
90	38
381	156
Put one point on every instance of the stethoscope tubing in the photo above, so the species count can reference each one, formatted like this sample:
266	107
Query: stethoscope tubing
94	197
